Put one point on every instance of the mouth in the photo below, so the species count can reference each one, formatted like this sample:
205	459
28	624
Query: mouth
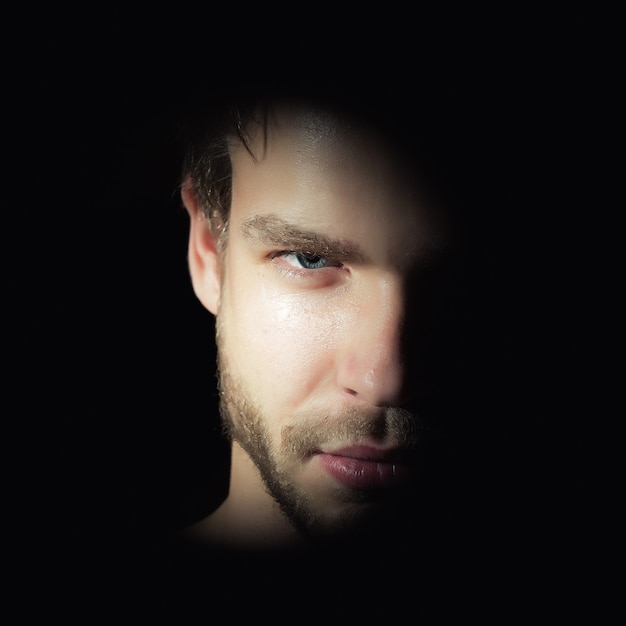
363	467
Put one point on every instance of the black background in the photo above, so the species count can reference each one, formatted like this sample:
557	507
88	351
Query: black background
124	355
147	344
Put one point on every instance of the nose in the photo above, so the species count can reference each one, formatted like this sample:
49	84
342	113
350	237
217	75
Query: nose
370	358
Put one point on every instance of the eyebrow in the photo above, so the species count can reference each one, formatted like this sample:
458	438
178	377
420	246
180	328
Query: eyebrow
274	230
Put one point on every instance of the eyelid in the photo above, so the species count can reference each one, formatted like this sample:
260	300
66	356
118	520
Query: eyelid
308	277
331	261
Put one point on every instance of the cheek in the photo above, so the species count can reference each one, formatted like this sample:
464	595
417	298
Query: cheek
286	342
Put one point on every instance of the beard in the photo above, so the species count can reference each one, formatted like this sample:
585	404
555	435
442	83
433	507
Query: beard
382	512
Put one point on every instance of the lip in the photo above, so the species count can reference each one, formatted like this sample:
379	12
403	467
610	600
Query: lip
362	467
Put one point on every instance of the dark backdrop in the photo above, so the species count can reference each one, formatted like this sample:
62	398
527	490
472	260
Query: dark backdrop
142	346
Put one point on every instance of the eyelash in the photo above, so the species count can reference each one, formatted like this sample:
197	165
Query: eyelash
304	272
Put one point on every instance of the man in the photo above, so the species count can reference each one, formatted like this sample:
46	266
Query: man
328	250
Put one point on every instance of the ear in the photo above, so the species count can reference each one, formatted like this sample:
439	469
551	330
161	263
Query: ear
202	254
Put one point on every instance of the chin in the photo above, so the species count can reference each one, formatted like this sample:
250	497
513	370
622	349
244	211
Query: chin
355	520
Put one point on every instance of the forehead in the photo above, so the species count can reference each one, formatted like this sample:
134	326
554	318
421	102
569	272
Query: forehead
318	135
330	171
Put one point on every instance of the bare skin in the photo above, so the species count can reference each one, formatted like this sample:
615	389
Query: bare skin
310	295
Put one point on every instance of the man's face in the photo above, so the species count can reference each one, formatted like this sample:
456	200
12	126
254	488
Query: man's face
318	327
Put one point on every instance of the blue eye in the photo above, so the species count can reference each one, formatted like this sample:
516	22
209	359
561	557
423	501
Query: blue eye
305	260
308	268
305	263
310	261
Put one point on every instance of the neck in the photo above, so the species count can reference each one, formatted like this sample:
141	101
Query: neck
249	518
